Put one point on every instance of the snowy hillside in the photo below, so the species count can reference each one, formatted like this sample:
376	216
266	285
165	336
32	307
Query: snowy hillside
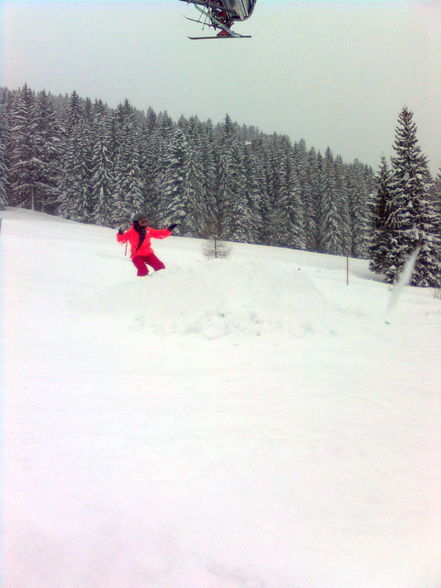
247	423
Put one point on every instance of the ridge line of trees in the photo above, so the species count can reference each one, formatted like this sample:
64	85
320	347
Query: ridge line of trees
84	161
87	162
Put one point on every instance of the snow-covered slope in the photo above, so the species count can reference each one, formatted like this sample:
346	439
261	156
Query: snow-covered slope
246	423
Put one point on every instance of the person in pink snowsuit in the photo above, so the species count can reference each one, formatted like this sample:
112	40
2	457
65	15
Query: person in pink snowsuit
141	252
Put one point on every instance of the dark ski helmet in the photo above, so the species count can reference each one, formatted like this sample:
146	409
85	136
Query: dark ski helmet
140	222
138	217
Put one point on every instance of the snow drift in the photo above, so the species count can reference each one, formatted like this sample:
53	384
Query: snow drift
217	298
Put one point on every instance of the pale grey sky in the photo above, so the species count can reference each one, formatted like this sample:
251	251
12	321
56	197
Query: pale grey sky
335	73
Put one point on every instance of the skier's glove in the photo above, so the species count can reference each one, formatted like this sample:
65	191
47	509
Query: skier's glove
171	227
120	231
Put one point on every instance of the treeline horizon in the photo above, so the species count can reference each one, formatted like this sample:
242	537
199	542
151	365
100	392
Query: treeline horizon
85	161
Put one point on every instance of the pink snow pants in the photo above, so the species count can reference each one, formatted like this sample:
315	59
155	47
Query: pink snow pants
141	261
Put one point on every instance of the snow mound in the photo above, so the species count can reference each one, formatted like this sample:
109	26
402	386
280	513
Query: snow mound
222	297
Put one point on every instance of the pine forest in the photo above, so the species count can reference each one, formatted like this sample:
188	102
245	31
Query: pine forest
84	161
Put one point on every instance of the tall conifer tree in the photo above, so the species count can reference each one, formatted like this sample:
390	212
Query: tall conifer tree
331	229
358	202
3	132
102	168
256	191
236	225
410	218
436	198
24	162
75	189
127	195
207	147
346	228
49	153
378	247
194	183
311	200
172	205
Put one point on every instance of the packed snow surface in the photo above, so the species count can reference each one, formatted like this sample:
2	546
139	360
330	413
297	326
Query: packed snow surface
254	422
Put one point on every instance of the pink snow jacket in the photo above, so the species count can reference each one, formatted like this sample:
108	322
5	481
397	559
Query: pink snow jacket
132	236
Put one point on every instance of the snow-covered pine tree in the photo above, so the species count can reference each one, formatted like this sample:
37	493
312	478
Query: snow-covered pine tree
295	214
278	176
255	189
23	157
341	170
158	146
231	194
7	104
75	114
300	170
358	199
171	203
3	132
287	214
149	139
271	156
331	222
194	193
2	177
151	119
75	189
436	198
369	180
87	113
102	168
411	220
378	247
436	203
49	136
311	199
183	123
207	147
127	196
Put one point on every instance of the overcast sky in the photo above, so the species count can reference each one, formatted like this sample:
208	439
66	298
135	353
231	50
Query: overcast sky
333	73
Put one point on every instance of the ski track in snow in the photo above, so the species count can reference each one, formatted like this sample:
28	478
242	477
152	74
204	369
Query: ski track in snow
245	423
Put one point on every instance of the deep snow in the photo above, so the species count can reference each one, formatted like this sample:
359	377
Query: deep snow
246	423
